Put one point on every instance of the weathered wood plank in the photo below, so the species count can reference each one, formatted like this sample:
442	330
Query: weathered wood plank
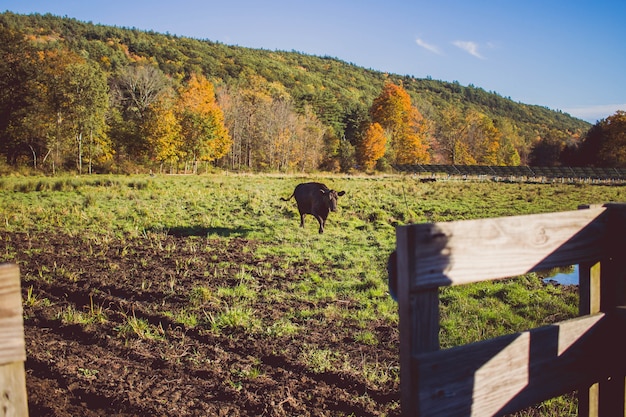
612	391
419	320
403	271
12	347
620	313
505	374
589	303
13	401
468	251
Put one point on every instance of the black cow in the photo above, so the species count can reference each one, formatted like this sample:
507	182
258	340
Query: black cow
316	199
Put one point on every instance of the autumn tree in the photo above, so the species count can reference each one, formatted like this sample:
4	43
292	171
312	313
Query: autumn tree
275	145
449	132
610	134
372	147
133	91
162	132
510	142
471	138
16	88
86	102
66	100
267	130
482	139
246	108
404	125
605	143
411	145
308	142
139	86
205	137
548	148
586	153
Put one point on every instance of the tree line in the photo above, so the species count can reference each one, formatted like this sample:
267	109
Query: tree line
83	97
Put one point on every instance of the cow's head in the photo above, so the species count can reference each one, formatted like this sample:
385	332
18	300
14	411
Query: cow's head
330	197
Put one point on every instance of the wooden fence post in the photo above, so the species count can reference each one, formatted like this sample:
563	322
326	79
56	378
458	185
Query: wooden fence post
588	303
13	401
507	373
612	392
419	316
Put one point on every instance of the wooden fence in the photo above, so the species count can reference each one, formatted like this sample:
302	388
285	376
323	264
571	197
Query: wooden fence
504	172
509	373
13	401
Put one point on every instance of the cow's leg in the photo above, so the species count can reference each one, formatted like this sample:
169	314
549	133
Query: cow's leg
302	219
321	221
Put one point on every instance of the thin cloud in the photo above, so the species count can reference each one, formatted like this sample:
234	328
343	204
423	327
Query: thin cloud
469	47
428	47
593	114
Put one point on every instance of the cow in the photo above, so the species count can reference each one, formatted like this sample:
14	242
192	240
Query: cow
316	199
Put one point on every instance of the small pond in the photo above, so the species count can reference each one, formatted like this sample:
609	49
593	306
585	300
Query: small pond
563	276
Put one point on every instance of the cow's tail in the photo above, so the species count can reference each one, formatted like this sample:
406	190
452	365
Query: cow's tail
288	198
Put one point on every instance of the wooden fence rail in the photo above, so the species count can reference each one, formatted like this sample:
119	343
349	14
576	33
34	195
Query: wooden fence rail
509	373
13	401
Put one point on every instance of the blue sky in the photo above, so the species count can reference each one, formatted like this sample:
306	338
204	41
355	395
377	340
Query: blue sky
565	55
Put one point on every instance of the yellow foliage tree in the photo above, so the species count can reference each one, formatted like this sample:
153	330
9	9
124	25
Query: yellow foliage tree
411	146
449	133
372	147
482	138
161	130
472	138
407	128
204	134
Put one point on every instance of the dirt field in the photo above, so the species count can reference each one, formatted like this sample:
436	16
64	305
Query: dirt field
100	367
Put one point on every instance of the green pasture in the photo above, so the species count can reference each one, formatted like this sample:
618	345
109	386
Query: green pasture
350	256
248	205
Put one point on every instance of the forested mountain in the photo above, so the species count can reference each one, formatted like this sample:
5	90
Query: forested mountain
151	99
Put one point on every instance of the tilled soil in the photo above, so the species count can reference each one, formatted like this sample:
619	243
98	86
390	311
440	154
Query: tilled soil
100	366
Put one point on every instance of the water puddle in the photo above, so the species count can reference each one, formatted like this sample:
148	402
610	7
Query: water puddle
563	276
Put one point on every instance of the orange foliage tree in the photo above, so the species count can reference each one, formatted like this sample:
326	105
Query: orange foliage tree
372	147
404	124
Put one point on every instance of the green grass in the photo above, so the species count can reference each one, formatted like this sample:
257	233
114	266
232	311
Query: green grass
92	314
135	327
344	282
488	309
234	318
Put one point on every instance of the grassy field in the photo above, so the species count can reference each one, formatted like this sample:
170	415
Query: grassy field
210	277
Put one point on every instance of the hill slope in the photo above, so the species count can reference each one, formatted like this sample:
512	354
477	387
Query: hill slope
333	88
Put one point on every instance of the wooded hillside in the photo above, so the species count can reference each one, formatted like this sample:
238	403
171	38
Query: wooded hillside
80	96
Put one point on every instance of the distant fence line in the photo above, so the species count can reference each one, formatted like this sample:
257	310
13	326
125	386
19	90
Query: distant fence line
560	172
